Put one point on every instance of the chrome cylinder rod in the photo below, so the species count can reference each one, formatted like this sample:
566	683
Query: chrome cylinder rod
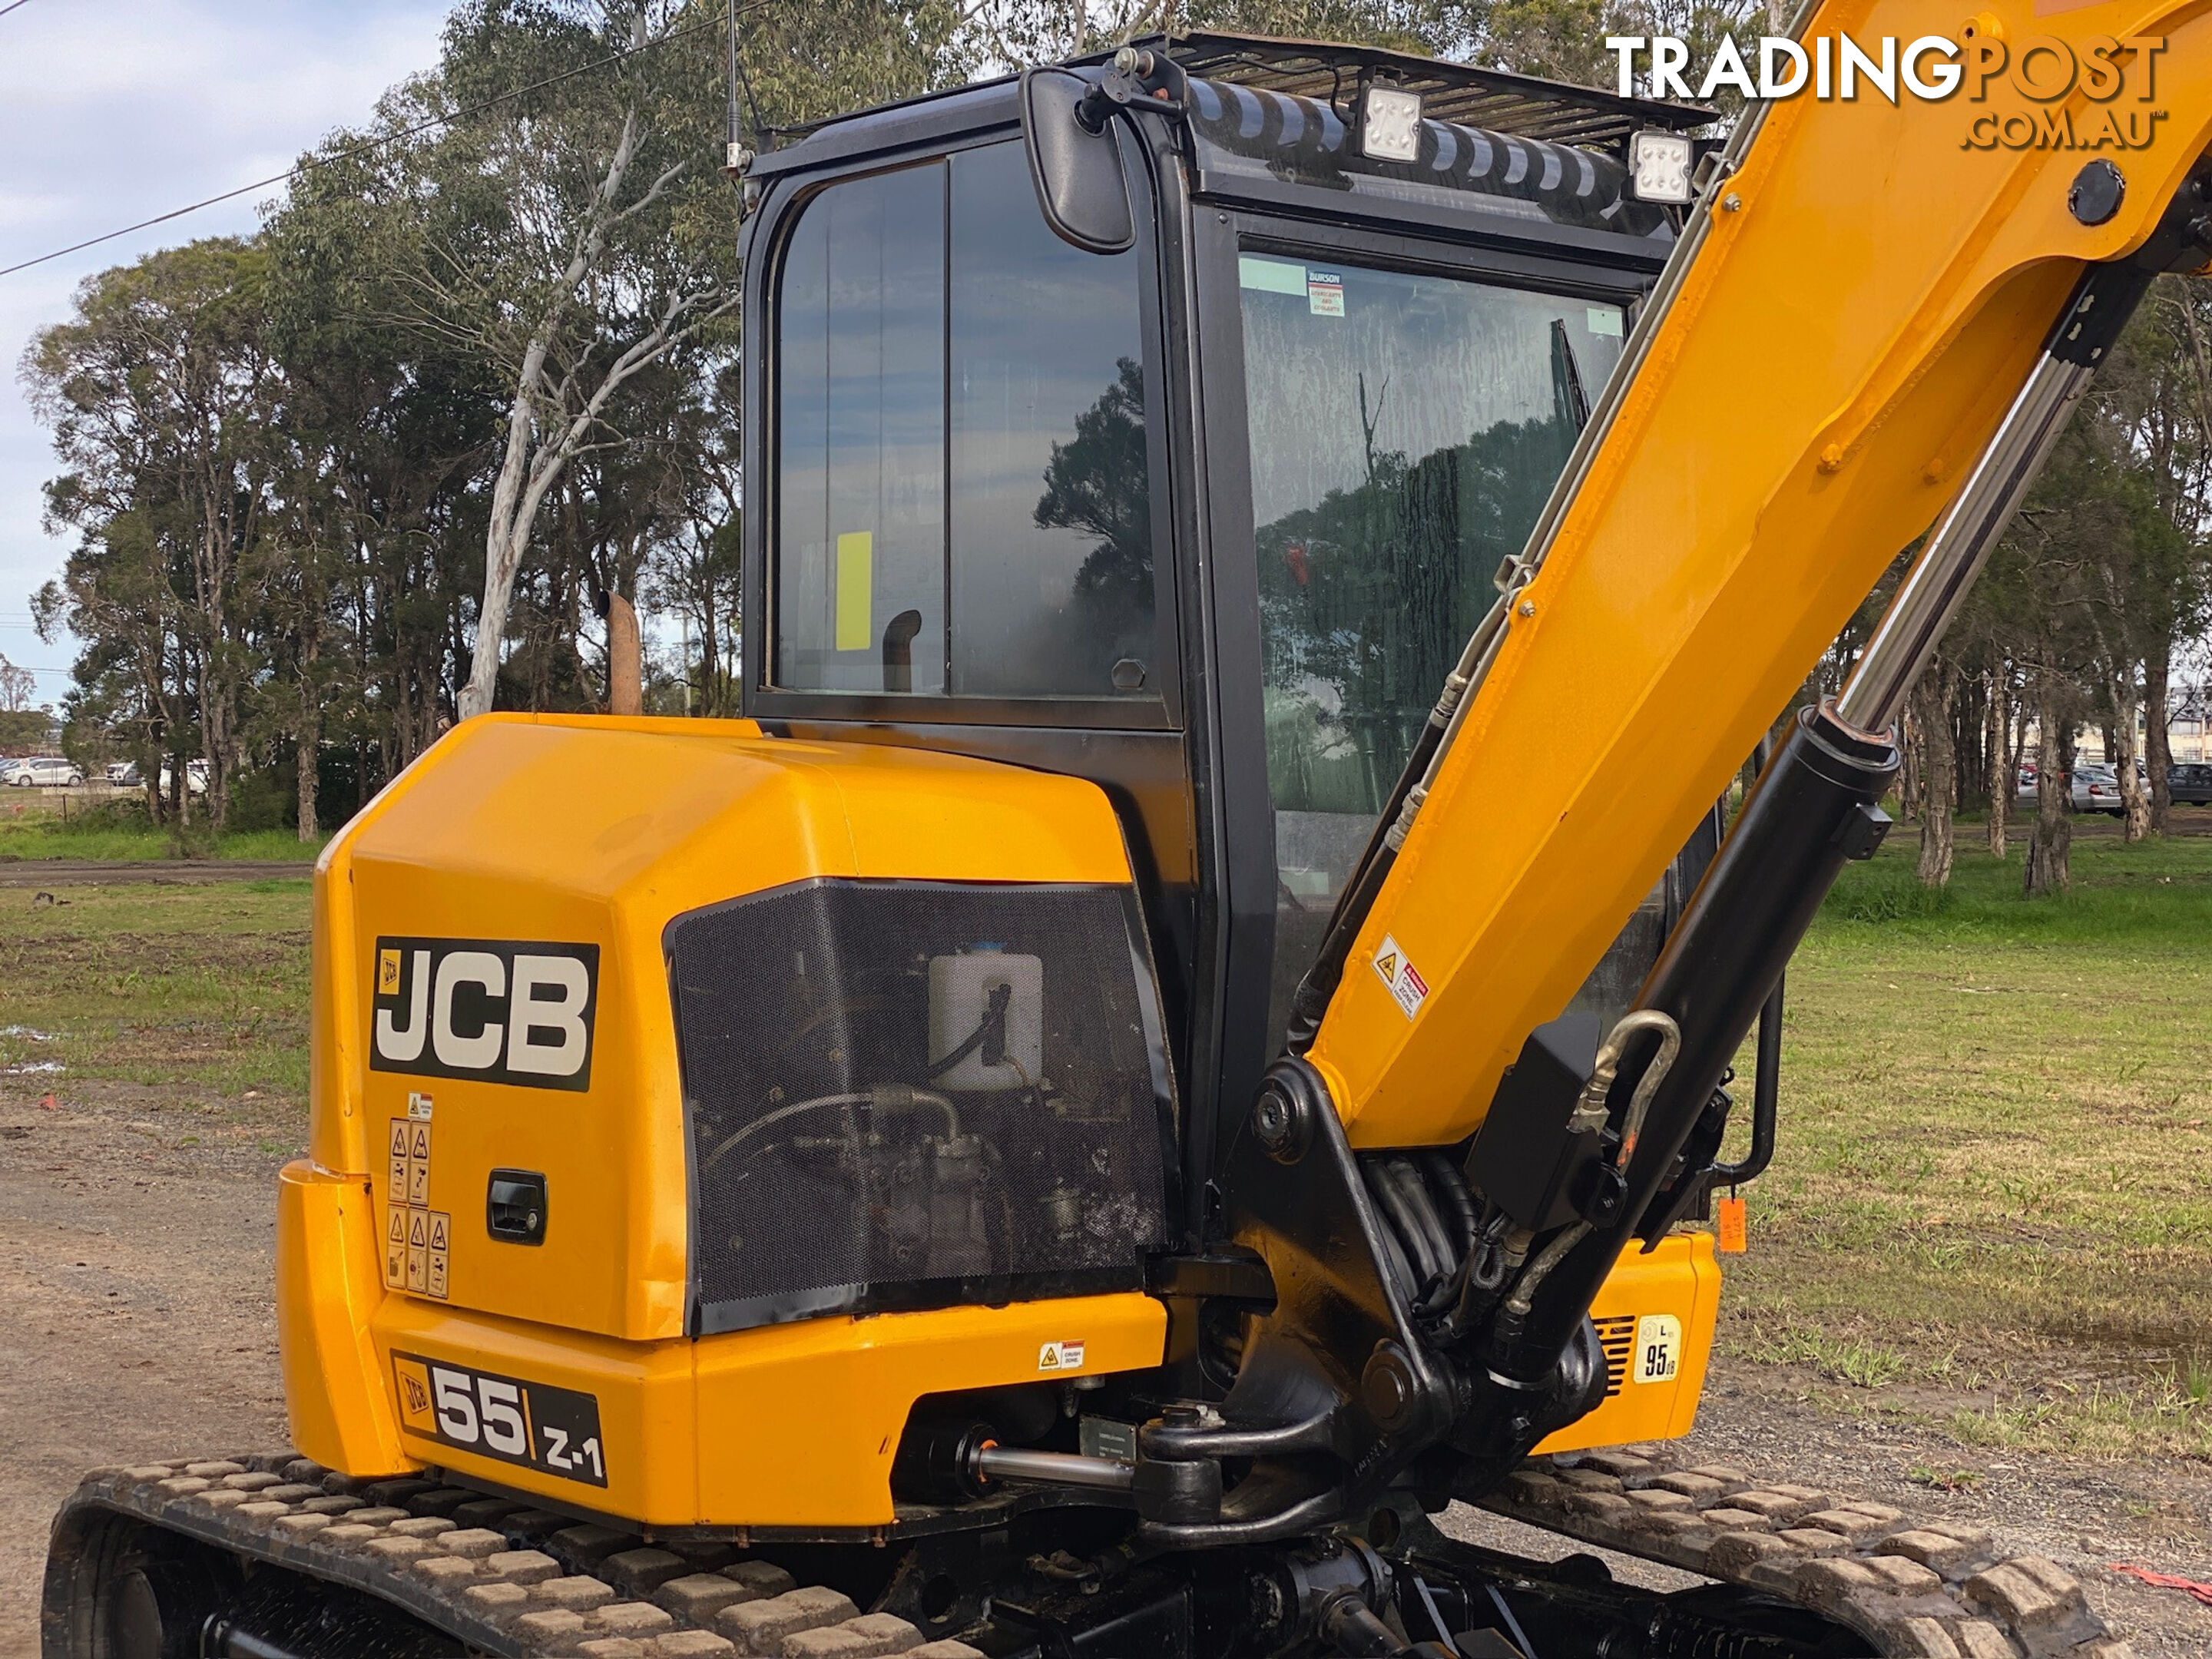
1052	1468
1960	546
1961	541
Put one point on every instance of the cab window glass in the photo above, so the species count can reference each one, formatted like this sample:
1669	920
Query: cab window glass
860	602
963	502
1051	512
1405	430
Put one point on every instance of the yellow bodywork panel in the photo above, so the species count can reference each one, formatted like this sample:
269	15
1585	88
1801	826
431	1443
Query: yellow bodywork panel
585	835
1871	293
328	1290
786	1425
1656	1317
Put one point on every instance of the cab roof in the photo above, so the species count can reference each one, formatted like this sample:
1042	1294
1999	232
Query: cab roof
1496	100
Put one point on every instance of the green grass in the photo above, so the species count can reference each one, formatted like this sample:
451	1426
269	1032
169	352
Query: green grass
200	991
118	831
2159	890
1989	1190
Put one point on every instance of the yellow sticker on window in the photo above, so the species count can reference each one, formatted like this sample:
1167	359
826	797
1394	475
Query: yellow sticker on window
856	589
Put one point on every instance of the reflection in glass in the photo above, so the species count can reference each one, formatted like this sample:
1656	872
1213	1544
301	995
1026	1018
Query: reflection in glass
1050	589
860	600
1405	432
976	443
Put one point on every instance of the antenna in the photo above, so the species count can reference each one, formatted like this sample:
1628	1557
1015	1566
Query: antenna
736	156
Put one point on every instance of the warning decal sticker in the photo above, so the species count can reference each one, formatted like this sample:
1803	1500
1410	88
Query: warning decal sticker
1060	1357
416	1238
1398	973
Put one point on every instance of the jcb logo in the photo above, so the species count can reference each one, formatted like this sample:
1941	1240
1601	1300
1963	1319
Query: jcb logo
506	1011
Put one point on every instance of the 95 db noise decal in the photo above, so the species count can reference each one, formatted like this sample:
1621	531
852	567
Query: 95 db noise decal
533	1423
506	1011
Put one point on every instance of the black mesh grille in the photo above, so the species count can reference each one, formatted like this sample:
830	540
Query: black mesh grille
1617	1336
845	1156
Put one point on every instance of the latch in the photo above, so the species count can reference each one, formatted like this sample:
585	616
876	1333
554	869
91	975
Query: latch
514	1207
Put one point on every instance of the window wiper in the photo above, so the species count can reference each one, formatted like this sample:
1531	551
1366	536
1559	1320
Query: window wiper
1567	393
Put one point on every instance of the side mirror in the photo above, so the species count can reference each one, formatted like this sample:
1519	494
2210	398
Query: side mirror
1076	167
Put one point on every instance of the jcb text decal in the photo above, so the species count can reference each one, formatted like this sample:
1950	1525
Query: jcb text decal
506	1010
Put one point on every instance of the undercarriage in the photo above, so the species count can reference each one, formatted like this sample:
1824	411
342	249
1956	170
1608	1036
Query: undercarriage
270	1556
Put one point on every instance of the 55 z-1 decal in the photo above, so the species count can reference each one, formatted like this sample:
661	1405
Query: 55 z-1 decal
506	1010
533	1423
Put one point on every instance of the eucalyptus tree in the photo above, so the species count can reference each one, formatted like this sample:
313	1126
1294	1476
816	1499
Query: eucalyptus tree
163	398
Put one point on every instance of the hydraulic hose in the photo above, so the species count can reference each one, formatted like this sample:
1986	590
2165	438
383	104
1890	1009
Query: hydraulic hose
891	1097
1608	1065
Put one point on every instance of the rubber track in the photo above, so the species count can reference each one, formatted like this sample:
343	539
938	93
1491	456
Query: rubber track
503	1577
1916	1589
510	1580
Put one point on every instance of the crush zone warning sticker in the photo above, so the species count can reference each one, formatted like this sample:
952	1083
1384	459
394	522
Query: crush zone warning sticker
1060	1357
1398	972
533	1423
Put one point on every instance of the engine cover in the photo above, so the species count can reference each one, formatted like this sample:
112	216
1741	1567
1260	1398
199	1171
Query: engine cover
625	1050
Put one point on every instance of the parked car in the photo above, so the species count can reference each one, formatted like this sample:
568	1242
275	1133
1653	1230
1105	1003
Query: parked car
2189	783
44	770
123	775
2097	789
195	777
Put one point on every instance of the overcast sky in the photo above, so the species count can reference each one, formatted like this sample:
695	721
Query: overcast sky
113	110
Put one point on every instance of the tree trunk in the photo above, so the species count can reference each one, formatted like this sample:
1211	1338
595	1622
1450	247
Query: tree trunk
1939	768
1908	775
1970	696
310	738
2158	749
2004	778
2047	871
625	659
2120	751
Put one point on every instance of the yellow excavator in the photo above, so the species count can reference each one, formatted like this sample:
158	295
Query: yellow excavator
1189	1027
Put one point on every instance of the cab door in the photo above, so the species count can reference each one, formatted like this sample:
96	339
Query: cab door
1385	417
961	531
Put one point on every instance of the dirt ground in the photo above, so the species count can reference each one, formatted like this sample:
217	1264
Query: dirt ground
136	1318
135	1322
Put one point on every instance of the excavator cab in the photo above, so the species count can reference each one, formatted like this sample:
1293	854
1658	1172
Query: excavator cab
1203	508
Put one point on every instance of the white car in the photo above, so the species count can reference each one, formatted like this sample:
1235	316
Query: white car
44	769
195	777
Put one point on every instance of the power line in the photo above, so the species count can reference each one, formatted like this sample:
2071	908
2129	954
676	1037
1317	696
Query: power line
11	6
347	155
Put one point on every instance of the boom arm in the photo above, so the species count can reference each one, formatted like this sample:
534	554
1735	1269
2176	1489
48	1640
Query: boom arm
1857	306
